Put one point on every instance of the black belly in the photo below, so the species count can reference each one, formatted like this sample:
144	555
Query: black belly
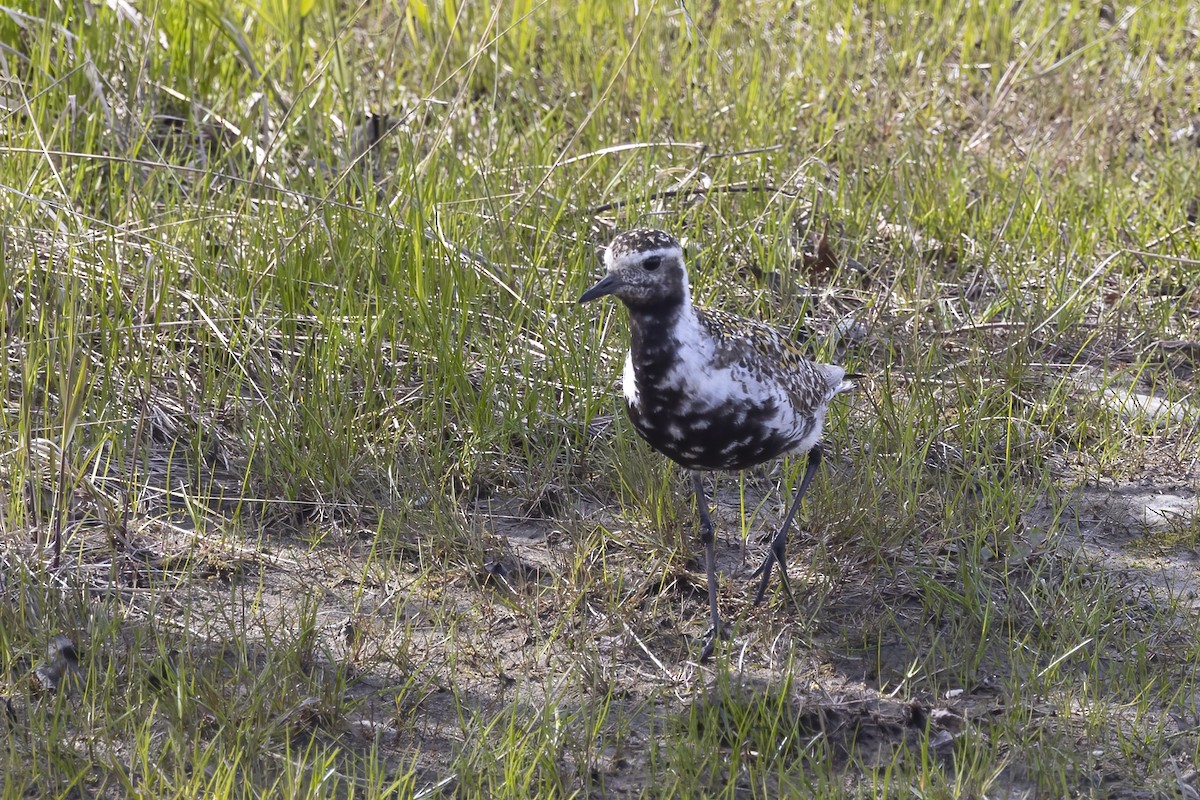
731	436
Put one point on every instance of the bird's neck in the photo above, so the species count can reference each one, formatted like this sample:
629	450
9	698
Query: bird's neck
655	332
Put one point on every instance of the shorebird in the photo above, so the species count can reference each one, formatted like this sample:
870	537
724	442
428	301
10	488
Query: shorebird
712	390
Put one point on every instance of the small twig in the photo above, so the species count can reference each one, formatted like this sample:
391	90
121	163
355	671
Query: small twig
770	148
1140	254
141	162
980	326
123	525
729	188
622	148
1169	235
1103	265
1131	246
1065	656
60	510
646	650
435	790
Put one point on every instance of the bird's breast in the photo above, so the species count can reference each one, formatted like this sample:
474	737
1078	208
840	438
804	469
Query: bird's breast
705	410
709	418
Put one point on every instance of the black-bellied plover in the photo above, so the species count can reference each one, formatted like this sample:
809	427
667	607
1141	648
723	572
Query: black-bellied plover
712	390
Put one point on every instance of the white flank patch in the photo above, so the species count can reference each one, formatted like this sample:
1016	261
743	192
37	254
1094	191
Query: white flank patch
628	382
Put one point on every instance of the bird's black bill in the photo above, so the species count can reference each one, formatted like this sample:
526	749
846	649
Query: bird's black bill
607	285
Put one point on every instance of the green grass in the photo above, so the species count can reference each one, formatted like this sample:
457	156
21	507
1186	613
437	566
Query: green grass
345	498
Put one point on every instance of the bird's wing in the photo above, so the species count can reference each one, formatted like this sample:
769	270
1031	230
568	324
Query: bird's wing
739	339
766	350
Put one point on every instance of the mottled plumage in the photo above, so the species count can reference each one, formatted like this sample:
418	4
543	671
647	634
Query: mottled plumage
709	389
716	391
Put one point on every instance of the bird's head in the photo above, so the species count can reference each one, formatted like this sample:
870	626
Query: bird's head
645	270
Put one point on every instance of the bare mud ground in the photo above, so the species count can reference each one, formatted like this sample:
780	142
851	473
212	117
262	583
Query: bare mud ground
430	658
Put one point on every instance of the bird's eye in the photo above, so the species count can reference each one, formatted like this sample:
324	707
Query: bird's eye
652	264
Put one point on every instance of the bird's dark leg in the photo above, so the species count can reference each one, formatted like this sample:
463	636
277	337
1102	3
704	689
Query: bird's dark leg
710	565
778	552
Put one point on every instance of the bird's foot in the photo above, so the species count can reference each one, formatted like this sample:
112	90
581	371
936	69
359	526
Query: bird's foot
763	573
711	637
